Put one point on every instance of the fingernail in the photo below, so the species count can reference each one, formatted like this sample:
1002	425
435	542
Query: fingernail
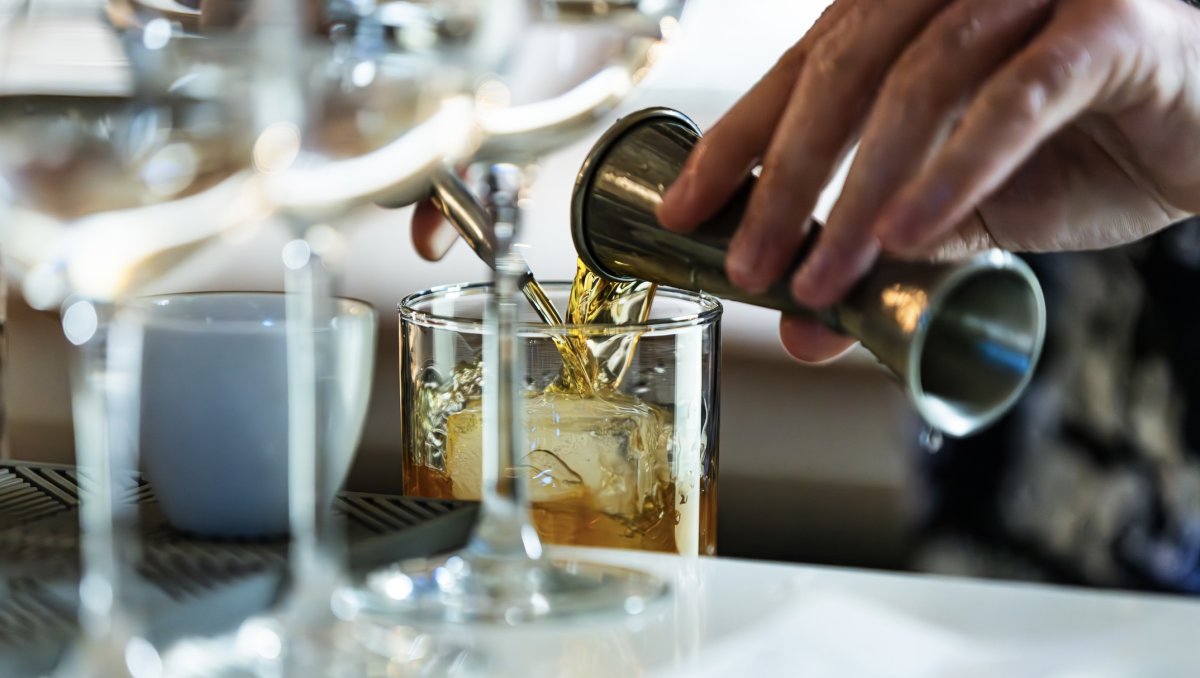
677	194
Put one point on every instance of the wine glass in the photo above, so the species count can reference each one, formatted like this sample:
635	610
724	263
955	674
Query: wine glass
377	111
354	110
116	177
126	144
573	62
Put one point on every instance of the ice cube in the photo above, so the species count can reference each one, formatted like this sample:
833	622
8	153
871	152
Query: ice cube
550	479
615	445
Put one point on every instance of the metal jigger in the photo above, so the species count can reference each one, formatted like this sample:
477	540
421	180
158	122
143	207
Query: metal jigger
963	337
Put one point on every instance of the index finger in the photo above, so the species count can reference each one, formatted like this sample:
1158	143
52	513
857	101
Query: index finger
724	157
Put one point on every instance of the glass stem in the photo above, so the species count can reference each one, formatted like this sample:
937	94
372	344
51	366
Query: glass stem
504	530
105	384
311	363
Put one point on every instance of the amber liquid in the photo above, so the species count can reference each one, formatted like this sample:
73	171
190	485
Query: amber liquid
578	520
599	473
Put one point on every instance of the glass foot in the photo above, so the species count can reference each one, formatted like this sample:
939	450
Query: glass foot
265	647
466	587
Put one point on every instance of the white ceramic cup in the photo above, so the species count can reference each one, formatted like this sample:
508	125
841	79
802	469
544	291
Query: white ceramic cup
214	407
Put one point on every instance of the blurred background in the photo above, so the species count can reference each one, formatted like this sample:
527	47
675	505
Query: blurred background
1093	480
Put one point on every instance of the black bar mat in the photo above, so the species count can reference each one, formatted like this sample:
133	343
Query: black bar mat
193	585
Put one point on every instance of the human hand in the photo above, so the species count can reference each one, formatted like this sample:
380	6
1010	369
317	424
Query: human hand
432	235
1031	125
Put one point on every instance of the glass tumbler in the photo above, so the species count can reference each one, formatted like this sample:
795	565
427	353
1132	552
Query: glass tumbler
630	462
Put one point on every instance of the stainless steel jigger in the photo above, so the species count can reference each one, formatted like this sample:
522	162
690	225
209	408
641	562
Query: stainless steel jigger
963	337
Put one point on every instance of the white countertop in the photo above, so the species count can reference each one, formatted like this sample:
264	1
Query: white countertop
741	618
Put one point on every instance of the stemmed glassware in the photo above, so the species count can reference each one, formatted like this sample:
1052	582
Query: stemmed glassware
373	112
208	123
573	62
124	143
352	110
344	110
107	181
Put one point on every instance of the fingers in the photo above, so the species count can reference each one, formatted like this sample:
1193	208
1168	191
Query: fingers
1033	96
810	341
432	235
721	160
922	93
825	109
971	235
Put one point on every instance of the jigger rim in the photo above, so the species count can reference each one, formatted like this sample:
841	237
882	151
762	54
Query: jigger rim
935	410
592	164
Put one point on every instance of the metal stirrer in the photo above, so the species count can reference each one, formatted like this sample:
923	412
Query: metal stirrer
503	425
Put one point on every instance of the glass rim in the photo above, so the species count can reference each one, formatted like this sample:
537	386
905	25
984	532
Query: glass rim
145	304
710	310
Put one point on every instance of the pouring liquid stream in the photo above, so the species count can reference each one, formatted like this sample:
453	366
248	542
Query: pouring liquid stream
594	364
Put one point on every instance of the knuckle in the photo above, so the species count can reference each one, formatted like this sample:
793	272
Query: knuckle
833	13
961	28
911	88
834	59
1018	102
1028	83
911	78
1061	65
835	17
1025	92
